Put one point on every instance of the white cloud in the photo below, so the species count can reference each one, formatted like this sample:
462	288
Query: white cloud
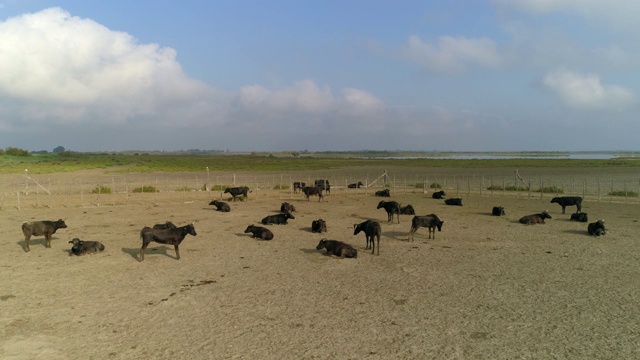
453	54
587	91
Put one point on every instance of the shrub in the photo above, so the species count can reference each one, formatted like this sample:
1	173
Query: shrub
418	185
13	151
101	189
435	185
184	188
505	188
145	189
218	187
551	189
281	187
628	193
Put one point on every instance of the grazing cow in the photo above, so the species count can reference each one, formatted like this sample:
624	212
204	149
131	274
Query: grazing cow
498	211
173	236
324	185
454	201
220	206
308	191
565	201
535	218
166	225
596	228
40	228
277	219
83	247
392	207
318	226
430	221
287	208
237	191
355	186
337	248
297	186
438	194
383	193
259	232
371	230
407	210
579	216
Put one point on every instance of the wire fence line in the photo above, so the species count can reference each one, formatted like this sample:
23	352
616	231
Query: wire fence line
25	191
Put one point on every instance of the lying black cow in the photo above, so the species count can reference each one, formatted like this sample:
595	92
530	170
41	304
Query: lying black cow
318	226
372	230
83	247
596	228
430	221
164	226
277	219
565	201
383	193
173	236
453	201
438	194
337	248
407	210
498	211
391	207
580	216
535	218
287	208
220	206
41	228
237	191
355	186
297	186
259	232
311	190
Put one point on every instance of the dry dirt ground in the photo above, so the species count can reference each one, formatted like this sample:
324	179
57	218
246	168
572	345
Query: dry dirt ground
485	288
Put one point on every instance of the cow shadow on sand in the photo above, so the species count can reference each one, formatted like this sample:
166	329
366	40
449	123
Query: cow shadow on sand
156	250
37	241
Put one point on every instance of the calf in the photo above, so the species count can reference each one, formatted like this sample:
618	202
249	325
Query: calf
407	210
41	228
277	219
287	208
312	190
580	216
438	194
83	247
318	226
220	206
565	201
430	221
237	191
337	248
173	236
454	201
259	232
355	186
297	186
372	230
498	211
383	193
535	218
392	207
596	228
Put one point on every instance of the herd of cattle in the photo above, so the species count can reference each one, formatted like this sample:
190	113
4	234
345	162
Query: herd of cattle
168	233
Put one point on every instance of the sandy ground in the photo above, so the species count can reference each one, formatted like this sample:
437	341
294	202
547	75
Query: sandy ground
485	288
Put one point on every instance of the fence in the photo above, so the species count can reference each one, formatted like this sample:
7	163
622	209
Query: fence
89	190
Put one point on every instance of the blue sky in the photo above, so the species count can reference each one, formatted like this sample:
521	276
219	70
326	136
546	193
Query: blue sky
467	75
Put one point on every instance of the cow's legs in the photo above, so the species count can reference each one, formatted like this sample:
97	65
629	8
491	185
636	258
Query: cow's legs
48	238
177	252
142	249
26	242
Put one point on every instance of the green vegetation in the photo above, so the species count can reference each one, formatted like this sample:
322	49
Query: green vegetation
101	189
435	185
628	193
145	189
183	188
546	189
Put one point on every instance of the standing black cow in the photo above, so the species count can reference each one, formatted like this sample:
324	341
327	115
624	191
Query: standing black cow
220	206
324	185
173	236
430	221
259	232
498	211
580	216
438	194
337	248
383	193
565	201
308	191
596	228
372	230
297	186
40	228
237	191
318	226
454	201
392	207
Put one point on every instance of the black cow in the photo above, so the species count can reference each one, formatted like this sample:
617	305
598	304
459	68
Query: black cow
580	216
220	206
318	226
355	186
324	185
430	221
337	248
371	230
407	210
596	228
392	207
383	193
454	201
565	201
297	186
309	190
277	219
83	247
535	218
438	194
498	211
40	228
164	226
173	236
259	232
287	208
237	191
